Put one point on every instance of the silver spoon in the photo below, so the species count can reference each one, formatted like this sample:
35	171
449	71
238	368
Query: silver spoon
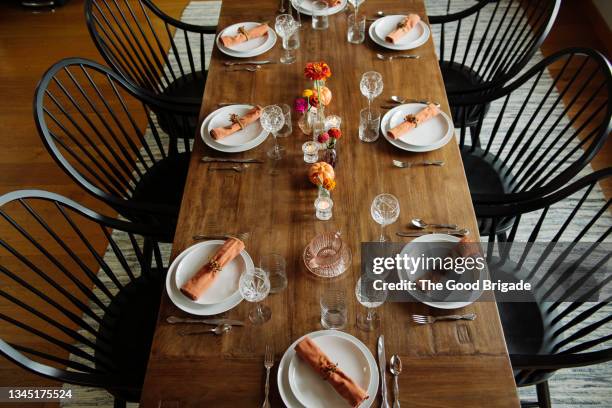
378	15
392	57
400	100
250	69
420	224
395	366
217	331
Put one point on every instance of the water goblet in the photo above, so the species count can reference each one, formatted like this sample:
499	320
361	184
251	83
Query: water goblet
254	287
286	27
272	120
371	86
385	210
370	298
276	267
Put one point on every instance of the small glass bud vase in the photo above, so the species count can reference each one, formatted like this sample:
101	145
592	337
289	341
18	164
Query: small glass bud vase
323	208
330	156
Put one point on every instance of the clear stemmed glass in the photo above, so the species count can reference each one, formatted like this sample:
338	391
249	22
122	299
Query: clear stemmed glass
272	120
370	298
254	287
285	27
371	85
356	4
385	210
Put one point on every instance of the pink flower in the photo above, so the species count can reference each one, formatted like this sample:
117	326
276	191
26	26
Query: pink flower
300	105
323	137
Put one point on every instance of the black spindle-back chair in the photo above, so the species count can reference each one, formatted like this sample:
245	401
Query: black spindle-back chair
485	43
560	243
71	310
101	130
542	129
152	50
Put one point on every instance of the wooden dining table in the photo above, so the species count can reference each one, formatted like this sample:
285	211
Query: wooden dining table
448	364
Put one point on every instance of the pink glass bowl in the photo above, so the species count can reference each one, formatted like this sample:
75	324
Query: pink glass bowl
327	255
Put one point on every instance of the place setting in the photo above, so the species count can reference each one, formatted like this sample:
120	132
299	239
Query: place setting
246	40
399	33
324	8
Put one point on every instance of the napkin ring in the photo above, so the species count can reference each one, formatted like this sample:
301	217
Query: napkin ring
412	119
329	369
214	266
402	24
244	32
236	119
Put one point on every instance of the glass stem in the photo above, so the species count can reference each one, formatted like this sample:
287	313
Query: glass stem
370	315
382	233
286	43
259	309
369	109
276	147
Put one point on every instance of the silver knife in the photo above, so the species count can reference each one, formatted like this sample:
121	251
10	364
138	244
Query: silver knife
214	322
382	366
207	159
457	233
230	63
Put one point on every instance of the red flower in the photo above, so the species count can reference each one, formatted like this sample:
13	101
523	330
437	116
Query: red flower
335	133
314	101
323	137
317	71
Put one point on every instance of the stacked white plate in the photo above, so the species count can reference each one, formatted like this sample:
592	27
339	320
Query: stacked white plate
385	25
306	7
412	250
223	295
430	135
248	138
247	49
300	386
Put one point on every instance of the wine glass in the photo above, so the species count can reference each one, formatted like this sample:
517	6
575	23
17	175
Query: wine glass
385	210
286	27
254	287
371	86
272	120
370	298
356	4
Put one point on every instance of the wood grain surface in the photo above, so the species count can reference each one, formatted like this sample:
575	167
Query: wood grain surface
440	370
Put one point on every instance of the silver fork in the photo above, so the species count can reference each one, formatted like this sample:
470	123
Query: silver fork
250	69
399	56
422	319
237	169
243	236
268	364
407	165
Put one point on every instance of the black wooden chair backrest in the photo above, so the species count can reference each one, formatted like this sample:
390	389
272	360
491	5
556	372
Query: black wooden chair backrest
57	284
145	45
544	127
494	39
102	131
561	243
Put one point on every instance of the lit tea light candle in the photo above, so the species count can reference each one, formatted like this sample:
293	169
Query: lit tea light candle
332	121
311	152
323	207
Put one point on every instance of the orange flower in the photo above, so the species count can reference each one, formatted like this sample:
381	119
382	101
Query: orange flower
317	71
325	97
329	184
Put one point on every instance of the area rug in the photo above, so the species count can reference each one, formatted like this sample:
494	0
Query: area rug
582	387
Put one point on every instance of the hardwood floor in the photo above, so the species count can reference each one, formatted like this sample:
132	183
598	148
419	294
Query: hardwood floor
30	43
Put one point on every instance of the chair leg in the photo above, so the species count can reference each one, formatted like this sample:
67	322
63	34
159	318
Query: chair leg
119	403
543	394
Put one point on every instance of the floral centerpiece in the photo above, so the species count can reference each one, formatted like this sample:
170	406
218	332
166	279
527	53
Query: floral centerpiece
313	101
322	175
329	139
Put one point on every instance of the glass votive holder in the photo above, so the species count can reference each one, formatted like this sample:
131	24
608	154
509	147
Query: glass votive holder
323	208
320	20
332	121
311	151
356	28
369	123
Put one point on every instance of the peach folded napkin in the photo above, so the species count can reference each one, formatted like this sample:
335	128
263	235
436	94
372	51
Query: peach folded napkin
237	124
330	372
204	278
467	248
407	24
244	35
412	121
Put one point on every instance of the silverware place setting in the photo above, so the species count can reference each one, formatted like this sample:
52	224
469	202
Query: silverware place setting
407	165
455	232
379	14
383	57
396	100
253	68
238	168
208	159
214	322
263	62
268	364
395	366
243	236
217	331
423	319
420	224
382	366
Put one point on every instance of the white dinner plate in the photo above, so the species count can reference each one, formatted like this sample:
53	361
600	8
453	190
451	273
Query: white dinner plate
189	306
207	138
439	129
247	49
413	39
283	381
221	118
403	273
314	392
226	284
306	7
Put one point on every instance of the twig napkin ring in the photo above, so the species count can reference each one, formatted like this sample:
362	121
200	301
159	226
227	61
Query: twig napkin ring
234	118
412	119
214	266
329	369
402	24
244	32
